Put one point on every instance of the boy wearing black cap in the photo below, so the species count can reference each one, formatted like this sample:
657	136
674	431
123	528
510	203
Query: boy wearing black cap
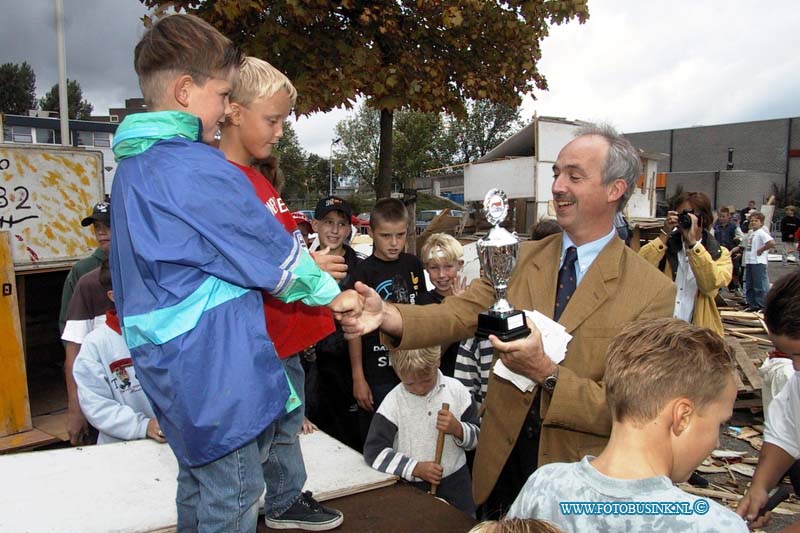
100	220
83	301
332	226
336	414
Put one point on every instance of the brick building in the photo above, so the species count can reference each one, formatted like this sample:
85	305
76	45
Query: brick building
762	153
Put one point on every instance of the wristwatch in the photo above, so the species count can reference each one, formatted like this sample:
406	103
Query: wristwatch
550	381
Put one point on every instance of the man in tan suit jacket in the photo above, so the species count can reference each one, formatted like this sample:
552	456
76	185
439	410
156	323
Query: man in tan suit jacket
593	178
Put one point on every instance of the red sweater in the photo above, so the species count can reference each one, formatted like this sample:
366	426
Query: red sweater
294	326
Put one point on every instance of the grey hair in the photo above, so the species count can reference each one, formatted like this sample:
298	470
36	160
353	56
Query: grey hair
622	161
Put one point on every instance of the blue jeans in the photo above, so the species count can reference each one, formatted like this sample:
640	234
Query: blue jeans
222	496
756	284
282	461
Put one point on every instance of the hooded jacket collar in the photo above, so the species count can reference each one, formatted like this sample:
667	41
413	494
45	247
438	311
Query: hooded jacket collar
138	132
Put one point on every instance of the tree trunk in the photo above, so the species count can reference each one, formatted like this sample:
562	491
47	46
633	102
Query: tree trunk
383	185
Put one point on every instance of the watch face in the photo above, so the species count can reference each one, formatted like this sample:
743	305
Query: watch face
549	383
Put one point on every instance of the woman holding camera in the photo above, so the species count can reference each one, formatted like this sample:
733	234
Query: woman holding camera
687	252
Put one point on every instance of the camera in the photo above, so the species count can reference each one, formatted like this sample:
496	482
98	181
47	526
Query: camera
684	220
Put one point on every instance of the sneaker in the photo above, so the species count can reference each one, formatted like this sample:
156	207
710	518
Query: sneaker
307	514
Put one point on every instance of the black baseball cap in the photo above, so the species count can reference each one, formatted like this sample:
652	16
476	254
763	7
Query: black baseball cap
101	212
332	203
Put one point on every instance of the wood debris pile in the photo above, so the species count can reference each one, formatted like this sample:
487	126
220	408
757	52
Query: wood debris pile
747	334
724	465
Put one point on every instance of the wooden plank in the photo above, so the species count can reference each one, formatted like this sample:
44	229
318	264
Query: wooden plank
118	481
747	366
747	315
15	412
748	403
54	424
751	338
27	440
745	330
740	386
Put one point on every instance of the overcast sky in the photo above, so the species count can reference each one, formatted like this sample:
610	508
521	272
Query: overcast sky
637	64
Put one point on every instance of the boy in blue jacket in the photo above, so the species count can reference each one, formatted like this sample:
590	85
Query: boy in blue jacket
191	246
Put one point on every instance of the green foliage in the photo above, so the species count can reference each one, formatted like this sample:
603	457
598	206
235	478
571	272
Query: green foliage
407	54
785	195
359	147
78	108
363	202
306	174
486	125
422	141
292	161
17	88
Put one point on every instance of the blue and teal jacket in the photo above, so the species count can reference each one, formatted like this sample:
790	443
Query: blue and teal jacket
191	246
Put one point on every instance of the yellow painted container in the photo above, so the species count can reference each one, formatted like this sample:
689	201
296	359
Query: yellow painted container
15	415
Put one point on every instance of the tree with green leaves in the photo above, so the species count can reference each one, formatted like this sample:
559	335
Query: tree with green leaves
77	107
360	146
421	141
407	54
486	125
292	160
17	88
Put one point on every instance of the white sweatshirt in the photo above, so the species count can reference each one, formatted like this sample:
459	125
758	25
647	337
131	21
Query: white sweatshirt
110	396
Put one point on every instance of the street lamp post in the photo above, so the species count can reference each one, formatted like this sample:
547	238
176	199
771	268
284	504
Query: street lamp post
336	140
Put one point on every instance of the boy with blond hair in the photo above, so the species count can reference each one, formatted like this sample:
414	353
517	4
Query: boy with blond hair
670	386
190	243
261	100
403	434
443	258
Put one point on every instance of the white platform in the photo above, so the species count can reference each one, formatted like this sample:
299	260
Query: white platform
130	486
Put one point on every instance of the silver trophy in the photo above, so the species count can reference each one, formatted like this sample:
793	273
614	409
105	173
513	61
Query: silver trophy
498	255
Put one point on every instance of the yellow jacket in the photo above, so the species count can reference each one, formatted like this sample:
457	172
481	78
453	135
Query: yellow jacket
710	276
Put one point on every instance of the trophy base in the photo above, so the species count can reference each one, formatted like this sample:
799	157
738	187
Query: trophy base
506	326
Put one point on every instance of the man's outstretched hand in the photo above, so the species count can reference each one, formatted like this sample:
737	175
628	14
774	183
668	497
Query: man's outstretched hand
370	315
347	304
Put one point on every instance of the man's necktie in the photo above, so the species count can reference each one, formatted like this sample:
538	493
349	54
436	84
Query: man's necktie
567	281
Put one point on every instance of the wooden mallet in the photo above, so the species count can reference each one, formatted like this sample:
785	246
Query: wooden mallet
439	448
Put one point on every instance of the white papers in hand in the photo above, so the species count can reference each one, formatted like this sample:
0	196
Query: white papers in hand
554	342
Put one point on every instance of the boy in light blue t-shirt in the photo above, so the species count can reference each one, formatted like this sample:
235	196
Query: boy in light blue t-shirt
670	386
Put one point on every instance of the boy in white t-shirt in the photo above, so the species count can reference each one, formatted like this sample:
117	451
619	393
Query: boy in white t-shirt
670	385
757	242
781	449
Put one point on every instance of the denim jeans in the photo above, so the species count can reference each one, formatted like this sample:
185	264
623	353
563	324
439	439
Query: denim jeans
282	462
222	496
756	284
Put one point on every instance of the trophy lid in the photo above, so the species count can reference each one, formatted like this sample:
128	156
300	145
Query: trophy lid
495	205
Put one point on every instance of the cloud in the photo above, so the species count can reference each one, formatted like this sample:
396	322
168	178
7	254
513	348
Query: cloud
646	66
99	36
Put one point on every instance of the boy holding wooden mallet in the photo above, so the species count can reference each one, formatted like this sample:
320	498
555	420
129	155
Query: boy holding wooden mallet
404	431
